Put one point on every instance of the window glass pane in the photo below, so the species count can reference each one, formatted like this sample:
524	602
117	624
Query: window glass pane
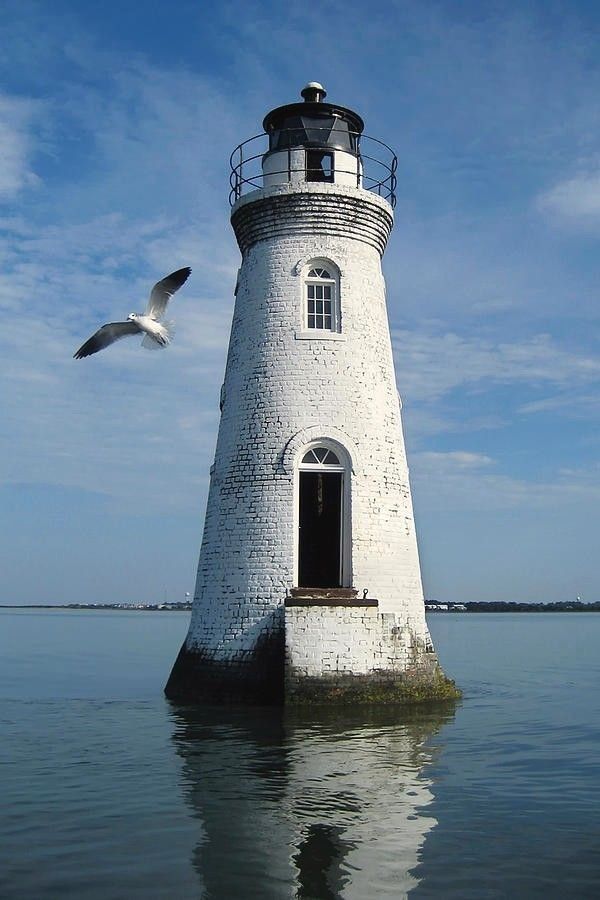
320	300
320	456
318	129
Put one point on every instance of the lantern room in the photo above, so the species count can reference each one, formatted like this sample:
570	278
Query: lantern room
312	141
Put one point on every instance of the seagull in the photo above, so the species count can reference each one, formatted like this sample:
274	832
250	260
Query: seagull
156	333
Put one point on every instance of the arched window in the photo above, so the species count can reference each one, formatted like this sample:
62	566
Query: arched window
322	298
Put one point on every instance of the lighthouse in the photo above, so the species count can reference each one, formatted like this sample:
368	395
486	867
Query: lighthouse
309	586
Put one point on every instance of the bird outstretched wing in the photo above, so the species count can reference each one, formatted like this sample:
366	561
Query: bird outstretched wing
106	335
163	290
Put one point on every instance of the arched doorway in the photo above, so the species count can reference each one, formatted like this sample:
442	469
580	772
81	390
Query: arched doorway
321	496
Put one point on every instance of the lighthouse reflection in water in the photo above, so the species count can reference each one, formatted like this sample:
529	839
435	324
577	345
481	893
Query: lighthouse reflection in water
321	805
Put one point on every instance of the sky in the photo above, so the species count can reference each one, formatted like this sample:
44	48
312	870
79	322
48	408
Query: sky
116	125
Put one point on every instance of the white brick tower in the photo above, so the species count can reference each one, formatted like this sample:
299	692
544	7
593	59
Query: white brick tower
309	585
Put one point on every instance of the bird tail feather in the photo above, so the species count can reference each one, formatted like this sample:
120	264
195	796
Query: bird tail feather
156	343
150	344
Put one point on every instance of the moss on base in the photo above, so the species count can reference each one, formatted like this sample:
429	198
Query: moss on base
379	688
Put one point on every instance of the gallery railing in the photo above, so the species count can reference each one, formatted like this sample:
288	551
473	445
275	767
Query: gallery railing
375	168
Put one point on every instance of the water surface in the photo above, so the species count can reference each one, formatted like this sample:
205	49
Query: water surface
109	791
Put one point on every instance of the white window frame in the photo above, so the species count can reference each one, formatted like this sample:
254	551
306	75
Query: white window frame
333	282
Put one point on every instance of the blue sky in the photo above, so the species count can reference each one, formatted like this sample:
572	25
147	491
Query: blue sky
117	122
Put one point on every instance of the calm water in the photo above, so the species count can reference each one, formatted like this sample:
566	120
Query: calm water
108	791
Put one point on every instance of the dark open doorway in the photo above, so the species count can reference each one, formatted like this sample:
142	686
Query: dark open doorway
320	523
319	166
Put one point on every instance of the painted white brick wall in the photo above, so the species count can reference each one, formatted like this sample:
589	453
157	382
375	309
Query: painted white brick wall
344	640
281	391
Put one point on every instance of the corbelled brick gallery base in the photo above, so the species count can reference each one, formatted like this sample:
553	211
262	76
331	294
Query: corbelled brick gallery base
309	511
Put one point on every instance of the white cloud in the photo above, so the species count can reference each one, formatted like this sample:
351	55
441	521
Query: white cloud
455	459
429	365
463	480
576	199
569	404
16	145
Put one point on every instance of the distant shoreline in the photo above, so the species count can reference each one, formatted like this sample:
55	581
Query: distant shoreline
513	606
125	607
473	606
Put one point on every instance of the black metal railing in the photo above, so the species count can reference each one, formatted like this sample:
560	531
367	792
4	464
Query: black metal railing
375	173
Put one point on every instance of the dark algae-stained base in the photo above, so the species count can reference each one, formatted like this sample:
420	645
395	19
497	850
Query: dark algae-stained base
259	678
378	688
256	677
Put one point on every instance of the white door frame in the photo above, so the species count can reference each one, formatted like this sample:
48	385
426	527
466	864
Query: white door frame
345	504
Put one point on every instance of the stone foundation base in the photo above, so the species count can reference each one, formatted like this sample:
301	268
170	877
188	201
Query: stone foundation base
258	679
329	647
374	688
344	650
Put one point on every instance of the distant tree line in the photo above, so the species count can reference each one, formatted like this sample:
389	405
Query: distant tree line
513	606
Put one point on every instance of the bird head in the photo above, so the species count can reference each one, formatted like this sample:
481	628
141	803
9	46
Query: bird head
132	316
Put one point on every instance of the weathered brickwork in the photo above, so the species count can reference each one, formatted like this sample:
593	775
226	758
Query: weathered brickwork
354	641
356	653
284	388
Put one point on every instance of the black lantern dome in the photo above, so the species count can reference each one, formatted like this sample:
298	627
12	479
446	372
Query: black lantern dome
313	123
